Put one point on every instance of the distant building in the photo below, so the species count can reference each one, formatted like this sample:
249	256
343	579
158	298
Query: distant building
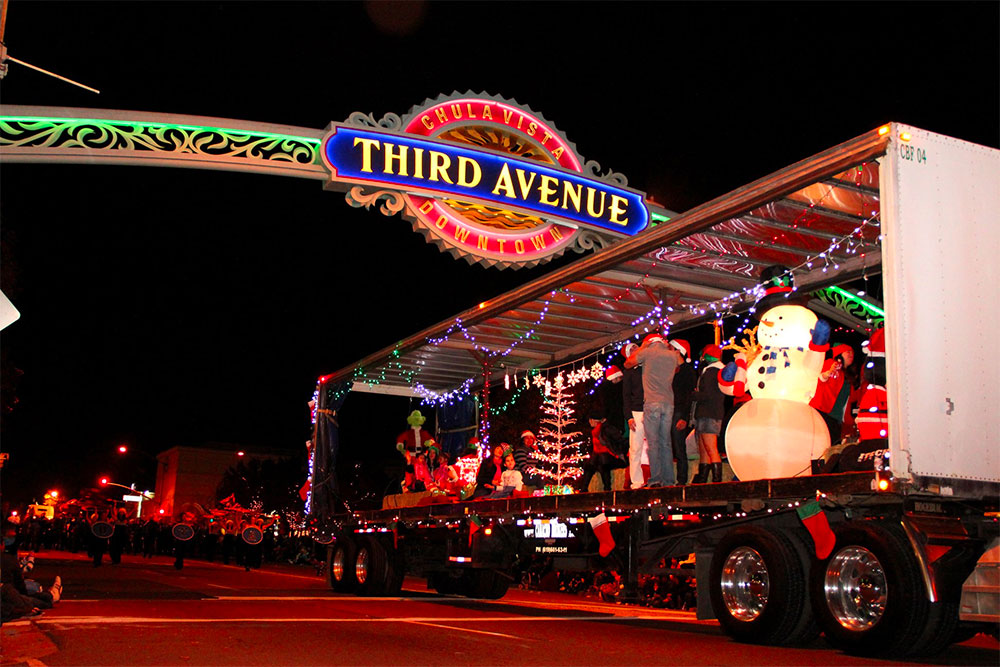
188	474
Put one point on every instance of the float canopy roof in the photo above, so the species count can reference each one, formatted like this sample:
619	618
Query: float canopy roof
694	260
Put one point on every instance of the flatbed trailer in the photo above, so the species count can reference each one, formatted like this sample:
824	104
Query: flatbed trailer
901	560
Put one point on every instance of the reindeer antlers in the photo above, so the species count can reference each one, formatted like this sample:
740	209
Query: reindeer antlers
749	347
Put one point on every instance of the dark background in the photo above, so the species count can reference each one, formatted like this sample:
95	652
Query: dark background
167	306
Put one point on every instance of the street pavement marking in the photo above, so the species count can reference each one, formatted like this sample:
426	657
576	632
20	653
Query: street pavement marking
346	598
618	610
135	620
478	632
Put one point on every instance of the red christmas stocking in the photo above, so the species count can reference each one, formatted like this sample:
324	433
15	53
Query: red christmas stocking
812	517
475	523
602	529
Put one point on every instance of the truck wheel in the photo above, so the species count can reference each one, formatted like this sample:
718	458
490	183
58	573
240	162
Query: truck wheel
807	629
371	567
341	566
868	595
449	582
758	587
396	571
487	585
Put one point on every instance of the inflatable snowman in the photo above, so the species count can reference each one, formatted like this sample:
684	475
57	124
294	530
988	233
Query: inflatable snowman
777	434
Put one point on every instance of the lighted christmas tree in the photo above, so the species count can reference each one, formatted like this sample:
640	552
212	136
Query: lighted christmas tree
558	455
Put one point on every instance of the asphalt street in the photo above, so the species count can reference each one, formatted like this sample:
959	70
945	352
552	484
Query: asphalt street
145	612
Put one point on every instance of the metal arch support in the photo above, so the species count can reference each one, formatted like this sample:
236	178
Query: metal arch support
105	136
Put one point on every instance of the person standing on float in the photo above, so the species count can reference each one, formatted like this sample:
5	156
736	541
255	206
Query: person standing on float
709	411
684	385
659	363
632	400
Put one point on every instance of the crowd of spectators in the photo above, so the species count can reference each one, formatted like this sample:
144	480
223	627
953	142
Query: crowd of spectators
147	537
151	537
676	590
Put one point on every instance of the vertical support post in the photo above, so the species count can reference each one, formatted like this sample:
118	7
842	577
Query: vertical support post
638	530
484	416
484	413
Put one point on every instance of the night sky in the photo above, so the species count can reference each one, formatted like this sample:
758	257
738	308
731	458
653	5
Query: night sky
164	307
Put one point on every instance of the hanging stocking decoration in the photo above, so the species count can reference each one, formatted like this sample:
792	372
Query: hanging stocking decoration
812	517
602	529
475	523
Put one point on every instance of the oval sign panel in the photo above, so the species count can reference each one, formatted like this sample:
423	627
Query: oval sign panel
484	178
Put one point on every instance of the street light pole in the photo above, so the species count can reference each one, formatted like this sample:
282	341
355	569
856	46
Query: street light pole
142	494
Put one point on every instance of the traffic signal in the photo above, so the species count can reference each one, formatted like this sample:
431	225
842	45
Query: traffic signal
104	481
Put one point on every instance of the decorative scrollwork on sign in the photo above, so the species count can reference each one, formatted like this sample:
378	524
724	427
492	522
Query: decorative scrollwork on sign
587	240
390	121
392	200
157	137
593	168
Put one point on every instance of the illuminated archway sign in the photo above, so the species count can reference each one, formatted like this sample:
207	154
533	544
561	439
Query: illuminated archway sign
482	177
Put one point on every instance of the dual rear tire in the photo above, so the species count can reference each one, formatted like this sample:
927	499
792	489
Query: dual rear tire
365	567
868	596
759	589
871	597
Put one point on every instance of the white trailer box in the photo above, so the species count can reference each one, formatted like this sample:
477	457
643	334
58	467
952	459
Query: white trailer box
940	201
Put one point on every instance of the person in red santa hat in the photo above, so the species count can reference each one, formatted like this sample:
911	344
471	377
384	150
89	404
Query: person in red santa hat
709	412
873	414
659	363
832	391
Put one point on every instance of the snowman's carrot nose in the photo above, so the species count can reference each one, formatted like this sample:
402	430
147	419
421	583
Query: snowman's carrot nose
767	323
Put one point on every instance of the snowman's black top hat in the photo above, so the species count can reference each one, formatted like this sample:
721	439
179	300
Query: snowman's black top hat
778	287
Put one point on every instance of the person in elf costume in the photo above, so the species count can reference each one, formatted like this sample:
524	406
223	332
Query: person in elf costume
410	443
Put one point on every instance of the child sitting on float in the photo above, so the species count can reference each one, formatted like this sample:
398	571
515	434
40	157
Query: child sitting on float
511	481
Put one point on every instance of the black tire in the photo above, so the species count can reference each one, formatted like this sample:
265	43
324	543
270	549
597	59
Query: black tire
396	572
371	567
381	571
868	595
807	629
940	631
758	587
449	582
487	585
340	569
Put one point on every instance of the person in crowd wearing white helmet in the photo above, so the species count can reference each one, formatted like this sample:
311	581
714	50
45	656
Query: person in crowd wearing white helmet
659	363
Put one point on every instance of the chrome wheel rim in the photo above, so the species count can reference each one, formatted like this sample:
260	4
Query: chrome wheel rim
337	565
855	588
745	584
361	566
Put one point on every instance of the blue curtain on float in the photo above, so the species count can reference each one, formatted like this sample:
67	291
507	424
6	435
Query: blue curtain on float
456	423
324	485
